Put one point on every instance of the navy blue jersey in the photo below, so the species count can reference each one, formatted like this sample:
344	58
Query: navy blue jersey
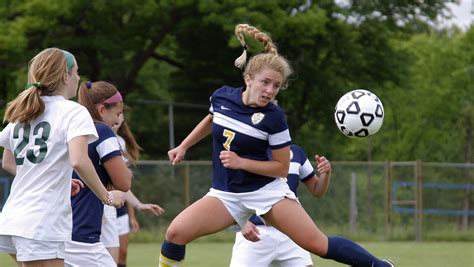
249	132
87	209
122	210
300	170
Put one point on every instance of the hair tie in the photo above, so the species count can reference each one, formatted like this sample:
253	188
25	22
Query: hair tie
35	84
89	84
242	60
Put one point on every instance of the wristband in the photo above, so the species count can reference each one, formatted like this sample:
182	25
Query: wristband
110	199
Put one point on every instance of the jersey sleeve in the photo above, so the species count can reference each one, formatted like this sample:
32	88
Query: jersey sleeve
280	135
306	171
80	123
5	136
108	145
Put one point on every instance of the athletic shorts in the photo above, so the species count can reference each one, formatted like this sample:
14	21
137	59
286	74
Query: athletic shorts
109	235
31	250
80	254
273	249
243	205
123	224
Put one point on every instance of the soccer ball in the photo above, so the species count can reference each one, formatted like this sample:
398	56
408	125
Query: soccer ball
359	113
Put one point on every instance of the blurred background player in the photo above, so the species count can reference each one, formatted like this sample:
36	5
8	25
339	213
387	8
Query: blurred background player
260	245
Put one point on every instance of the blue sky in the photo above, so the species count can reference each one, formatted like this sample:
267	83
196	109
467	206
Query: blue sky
463	14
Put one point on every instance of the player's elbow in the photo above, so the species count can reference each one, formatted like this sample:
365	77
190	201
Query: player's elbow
78	163
124	181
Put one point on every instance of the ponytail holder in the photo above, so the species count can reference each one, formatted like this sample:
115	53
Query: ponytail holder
89	84
242	60
36	84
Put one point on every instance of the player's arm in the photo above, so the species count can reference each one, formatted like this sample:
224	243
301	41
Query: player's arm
119	173
201	130
134	224
8	161
135	202
278	166
318	186
81	163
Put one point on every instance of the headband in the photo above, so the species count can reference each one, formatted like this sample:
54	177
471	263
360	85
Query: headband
69	60
117	97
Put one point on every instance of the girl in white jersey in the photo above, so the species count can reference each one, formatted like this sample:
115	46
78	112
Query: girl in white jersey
46	139
245	125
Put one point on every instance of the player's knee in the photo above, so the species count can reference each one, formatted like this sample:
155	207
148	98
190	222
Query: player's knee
172	234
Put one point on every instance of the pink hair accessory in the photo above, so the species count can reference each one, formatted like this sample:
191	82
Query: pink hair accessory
114	99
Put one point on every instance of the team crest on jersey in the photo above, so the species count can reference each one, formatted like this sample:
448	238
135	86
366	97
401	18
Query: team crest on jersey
257	117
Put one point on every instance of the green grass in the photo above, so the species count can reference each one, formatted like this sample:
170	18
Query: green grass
405	254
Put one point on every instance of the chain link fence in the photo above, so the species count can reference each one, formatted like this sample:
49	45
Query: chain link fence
366	200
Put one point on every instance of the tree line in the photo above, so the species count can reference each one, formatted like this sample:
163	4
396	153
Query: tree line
165	51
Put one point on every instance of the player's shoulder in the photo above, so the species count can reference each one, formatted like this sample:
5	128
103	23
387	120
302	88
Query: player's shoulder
104	130
298	152
227	91
71	108
296	148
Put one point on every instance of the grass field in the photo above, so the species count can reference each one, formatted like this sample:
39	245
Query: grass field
405	254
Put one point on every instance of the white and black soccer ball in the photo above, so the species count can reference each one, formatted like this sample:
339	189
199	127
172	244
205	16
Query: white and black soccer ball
359	113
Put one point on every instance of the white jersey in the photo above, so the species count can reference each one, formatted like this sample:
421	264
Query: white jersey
39	205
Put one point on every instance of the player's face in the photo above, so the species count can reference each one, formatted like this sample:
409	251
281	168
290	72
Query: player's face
72	81
262	87
111	115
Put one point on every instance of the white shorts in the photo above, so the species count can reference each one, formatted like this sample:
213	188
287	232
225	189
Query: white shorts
123	224
109	234
273	249
242	205
84	254
30	249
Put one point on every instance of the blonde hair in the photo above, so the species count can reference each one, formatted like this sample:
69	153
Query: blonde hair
45	74
269	59
93	93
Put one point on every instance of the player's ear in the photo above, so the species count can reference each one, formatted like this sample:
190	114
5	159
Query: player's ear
101	109
247	79
65	78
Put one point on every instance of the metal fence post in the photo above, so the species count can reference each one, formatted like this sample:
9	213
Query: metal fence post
388	199
419	201
187	182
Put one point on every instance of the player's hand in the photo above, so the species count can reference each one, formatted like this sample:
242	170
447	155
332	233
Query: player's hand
118	198
76	186
134	225
151	208
323	165
230	159
250	232
176	155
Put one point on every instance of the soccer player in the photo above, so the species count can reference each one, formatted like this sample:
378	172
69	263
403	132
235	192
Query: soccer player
245	125
105	104
46	139
261	245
